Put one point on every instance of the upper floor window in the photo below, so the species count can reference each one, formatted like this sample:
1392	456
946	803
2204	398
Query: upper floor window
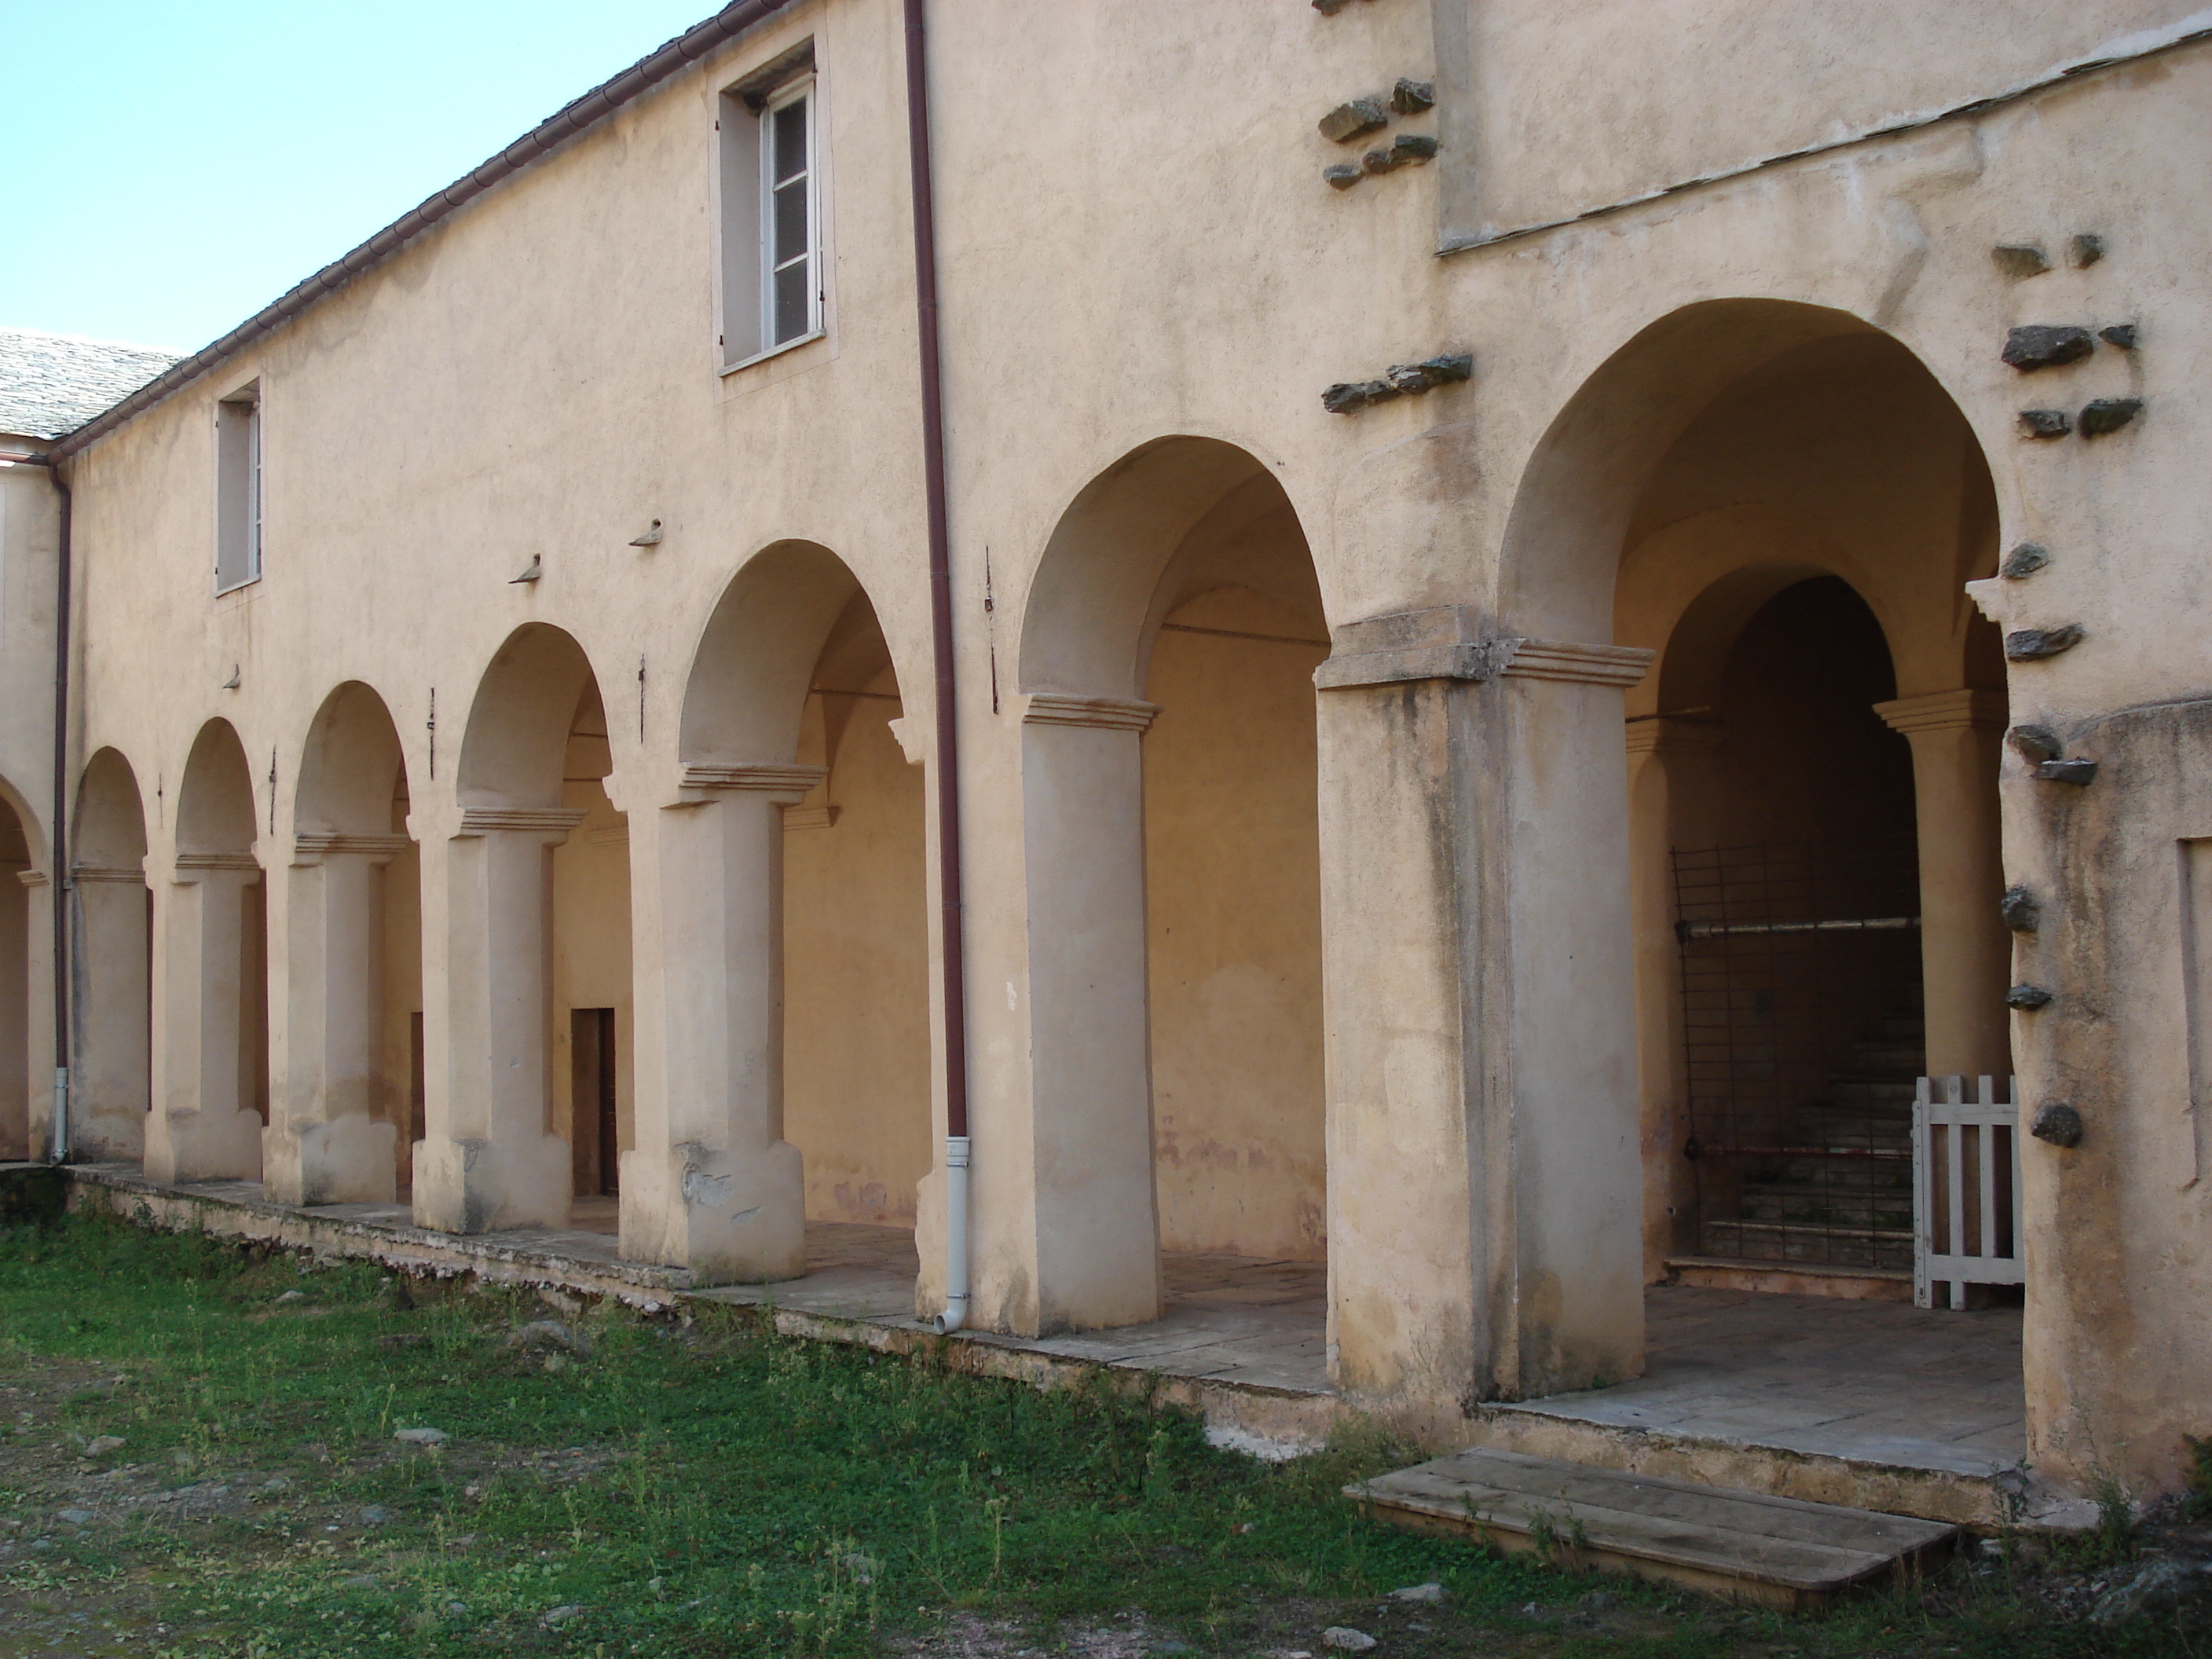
772	279
238	489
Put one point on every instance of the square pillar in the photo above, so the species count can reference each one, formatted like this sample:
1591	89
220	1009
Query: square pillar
204	1126
110	986
1485	1208
1965	953
326	1144
1089	1035
711	1184
488	1161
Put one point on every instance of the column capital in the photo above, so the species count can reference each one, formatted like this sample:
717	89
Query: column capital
81	873
1674	734
192	867
31	877
703	780
1945	711
1104	713
311	846
1584	665
1457	642
519	820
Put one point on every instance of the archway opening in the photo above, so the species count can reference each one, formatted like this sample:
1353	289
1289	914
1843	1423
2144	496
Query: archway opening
1814	814
808	821
14	986
357	1063
1167	654
110	958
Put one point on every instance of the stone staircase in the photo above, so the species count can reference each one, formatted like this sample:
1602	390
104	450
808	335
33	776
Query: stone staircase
1845	1199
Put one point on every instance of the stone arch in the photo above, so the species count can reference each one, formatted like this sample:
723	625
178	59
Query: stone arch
1712	473
211	1047
795	970
1167	643
110	960
536	1018
351	1099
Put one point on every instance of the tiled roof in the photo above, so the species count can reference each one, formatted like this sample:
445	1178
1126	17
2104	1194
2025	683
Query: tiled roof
51	384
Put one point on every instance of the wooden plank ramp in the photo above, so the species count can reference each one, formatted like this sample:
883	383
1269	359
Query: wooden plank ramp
1745	1546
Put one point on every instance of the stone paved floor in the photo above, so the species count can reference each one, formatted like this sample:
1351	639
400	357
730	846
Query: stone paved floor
1879	1381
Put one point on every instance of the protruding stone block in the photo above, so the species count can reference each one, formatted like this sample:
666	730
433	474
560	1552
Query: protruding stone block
2046	345
2088	248
2035	644
2035	743
1354	118
2126	336
1343	175
2104	415
2021	910
2019	260
2027	998
2057	1123
2025	560
1412	97
2045	422
2079	772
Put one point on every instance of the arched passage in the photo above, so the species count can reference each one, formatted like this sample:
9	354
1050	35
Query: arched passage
795	936
1819	744
537	954
1171	846
211	1016
110	953
353	972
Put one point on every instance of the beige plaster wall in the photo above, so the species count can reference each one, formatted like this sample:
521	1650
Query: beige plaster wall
1232	880
1160	257
856	966
590	941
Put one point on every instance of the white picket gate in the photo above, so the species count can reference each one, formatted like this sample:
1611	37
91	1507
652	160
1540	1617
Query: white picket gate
1966	1187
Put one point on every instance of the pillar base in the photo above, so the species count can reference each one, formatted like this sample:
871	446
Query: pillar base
349	1160
203	1146
482	1186
731	1217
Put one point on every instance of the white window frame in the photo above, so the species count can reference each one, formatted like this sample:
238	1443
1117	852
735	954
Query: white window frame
239	492
746	240
783	97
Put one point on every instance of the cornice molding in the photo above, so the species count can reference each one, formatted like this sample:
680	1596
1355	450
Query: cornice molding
319	844
1946	711
202	862
519	820
79	873
767	778
1576	663
1674	734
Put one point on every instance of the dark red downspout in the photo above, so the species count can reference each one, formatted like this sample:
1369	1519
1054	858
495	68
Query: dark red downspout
944	758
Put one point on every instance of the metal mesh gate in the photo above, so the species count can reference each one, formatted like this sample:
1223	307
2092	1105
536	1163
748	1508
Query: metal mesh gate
1802	1038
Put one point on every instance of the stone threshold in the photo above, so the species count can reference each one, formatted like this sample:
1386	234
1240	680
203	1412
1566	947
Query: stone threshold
1717	1273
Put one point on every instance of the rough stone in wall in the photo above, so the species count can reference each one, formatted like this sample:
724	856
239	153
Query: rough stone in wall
1406	150
2025	560
2046	345
2019	261
2126	336
2035	743
2034	644
1344	174
2057	1123
2045	422
2104	415
1354	118
1412	97
2088	248
1349	397
2067	771
2021	910
2027	998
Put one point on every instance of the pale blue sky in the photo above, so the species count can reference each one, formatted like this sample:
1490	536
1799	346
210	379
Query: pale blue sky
171	167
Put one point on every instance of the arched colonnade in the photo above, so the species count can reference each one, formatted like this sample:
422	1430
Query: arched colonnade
1343	945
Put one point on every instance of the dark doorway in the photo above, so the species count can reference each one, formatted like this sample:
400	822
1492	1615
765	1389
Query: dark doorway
592	1134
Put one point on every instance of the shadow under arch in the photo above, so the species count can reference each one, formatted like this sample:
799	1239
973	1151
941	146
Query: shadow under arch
1168	642
351	1102
21	852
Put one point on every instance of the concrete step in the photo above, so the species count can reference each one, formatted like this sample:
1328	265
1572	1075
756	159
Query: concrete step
1829	1207
1783	1241
1743	1545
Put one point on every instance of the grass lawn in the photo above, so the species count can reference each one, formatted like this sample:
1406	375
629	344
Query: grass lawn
197	1456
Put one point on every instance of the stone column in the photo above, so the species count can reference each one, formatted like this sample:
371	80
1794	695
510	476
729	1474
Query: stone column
15	1082
1965	954
111	1088
204	1127
487	1160
1485	1217
711	1184
327	1145
39	897
1089	1038
1669	792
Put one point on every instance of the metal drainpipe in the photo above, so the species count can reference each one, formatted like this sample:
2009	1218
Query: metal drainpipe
946	757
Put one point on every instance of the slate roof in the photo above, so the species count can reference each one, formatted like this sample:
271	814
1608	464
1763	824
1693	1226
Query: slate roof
52	384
